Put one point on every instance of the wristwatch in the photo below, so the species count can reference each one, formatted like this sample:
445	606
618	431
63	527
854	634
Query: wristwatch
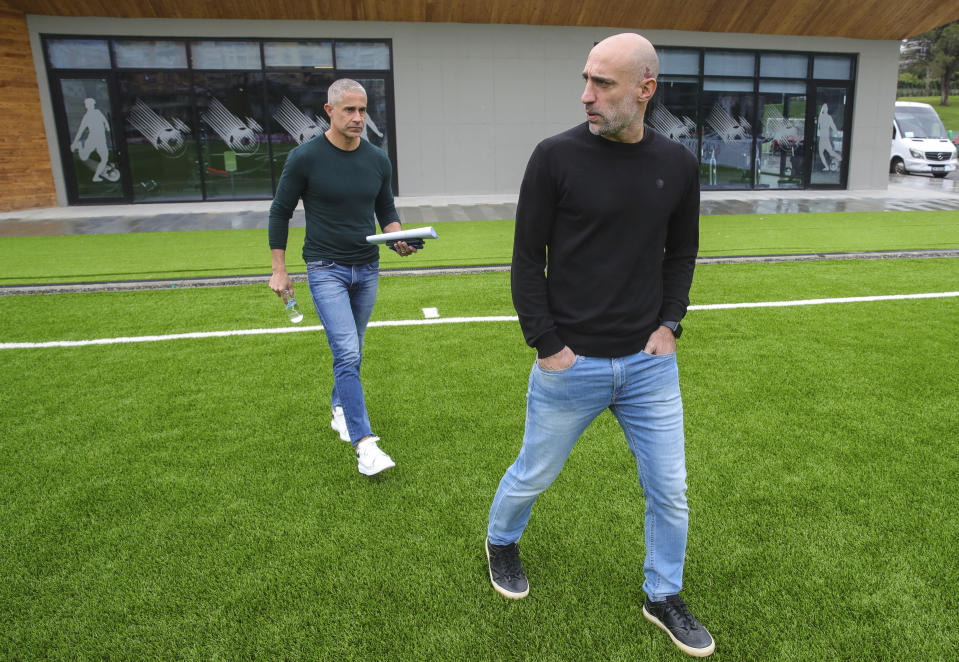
675	327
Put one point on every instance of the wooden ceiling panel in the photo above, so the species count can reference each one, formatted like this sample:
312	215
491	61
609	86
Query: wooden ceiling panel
859	19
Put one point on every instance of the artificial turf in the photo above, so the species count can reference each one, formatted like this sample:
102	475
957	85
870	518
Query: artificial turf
187	500
206	253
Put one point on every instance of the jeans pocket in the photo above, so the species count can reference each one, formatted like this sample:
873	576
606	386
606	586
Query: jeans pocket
373	266
657	356
560	371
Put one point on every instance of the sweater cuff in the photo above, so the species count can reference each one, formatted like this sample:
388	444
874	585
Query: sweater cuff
548	344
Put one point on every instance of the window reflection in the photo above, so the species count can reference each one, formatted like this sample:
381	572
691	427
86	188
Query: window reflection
78	54
225	54
838	67
727	157
160	138
782	111
678	61
200	119
86	104
298	54
721	63
150	54
830	114
234	150
376	130
362	55
675	109
295	102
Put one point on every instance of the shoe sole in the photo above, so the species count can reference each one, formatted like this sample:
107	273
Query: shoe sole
499	589
373	473
694	652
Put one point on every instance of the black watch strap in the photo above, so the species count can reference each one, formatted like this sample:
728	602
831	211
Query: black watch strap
675	327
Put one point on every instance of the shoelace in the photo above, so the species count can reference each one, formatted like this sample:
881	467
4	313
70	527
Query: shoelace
681	613
512	568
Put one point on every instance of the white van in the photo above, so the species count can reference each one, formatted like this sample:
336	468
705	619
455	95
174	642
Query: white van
919	141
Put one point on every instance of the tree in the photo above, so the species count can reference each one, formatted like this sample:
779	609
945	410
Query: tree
941	55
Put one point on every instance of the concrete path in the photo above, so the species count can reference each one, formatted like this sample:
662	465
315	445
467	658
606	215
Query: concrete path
905	193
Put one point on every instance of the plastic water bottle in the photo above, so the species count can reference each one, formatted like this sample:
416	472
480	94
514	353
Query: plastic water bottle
293	308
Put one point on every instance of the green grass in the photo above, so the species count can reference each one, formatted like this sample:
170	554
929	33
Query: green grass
138	256
948	114
187	499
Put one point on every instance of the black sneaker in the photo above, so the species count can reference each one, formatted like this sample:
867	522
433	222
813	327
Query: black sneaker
672	615
506	570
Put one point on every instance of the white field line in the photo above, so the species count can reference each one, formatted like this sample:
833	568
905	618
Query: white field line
446	320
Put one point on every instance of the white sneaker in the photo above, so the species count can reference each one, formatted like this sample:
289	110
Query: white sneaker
339	423
370	459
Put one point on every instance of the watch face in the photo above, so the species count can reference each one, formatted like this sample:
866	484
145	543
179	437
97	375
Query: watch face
675	327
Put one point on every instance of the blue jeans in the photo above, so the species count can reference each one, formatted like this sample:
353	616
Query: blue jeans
343	296
642	391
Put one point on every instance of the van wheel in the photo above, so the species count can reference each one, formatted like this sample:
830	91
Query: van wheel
898	167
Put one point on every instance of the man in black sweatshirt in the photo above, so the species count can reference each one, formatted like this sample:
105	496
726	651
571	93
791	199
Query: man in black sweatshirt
607	231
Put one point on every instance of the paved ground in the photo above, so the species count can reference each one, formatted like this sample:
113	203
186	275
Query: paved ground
904	193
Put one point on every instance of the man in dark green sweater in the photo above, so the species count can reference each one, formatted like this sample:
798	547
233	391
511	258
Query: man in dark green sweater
607	230
343	181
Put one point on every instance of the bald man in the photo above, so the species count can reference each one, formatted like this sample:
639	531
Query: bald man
607	231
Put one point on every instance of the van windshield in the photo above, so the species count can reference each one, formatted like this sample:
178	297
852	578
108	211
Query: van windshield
919	122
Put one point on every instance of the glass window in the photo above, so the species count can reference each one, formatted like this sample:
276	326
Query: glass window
161	144
920	122
783	66
838	67
727	154
93	168
78	54
782	126
376	130
225	54
791	87
731	85
674	110
318	55
673	61
830	118
295	101
141	54
362	55
719	63
234	149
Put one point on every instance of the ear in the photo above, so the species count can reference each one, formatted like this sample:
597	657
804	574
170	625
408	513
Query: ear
645	90
329	110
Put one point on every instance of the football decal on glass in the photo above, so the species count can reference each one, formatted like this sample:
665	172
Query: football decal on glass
297	123
166	135
240	136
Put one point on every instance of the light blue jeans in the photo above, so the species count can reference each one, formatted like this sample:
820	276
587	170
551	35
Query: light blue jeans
343	296
642	391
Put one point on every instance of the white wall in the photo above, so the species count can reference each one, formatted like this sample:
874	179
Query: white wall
471	101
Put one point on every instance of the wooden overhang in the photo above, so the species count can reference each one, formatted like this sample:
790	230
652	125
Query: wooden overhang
857	19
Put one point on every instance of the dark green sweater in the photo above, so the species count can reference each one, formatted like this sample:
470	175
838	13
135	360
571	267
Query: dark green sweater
341	191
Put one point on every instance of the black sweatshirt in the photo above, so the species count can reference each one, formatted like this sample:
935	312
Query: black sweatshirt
617	225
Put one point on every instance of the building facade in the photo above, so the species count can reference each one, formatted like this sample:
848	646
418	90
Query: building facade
160	110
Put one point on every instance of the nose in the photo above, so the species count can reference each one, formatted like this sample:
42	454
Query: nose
588	97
